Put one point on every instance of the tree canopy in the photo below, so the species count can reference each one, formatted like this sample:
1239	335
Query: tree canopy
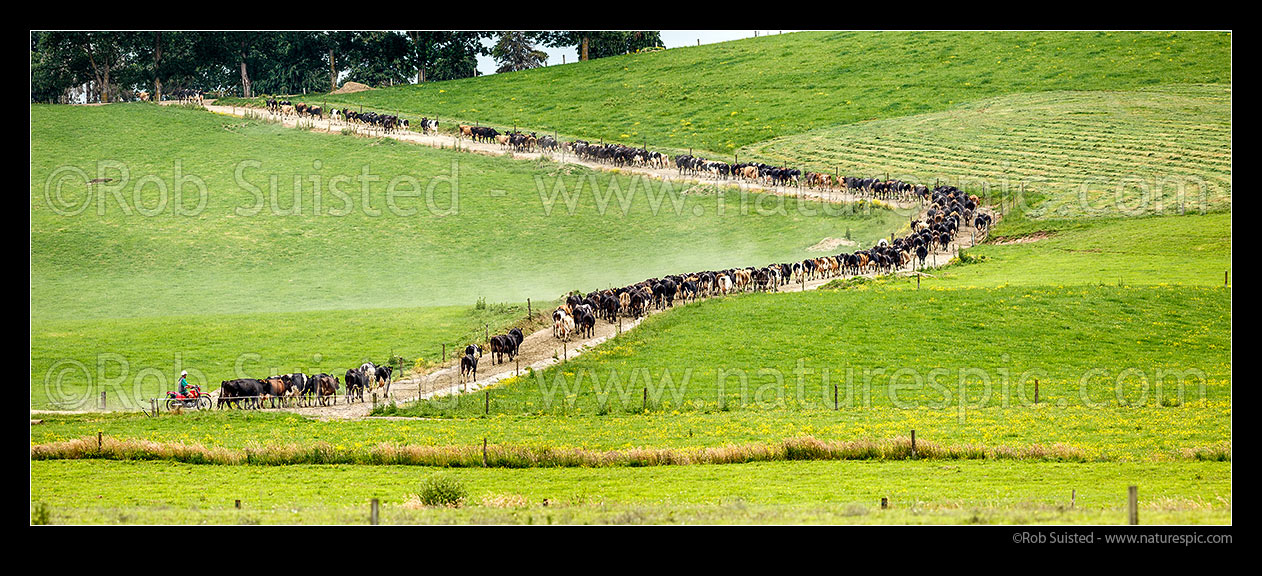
108	66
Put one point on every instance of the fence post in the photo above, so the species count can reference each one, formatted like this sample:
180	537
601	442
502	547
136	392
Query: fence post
913	444
373	518
646	399
484	459
98	441
1036	390
1073	498
487	409
835	397
444	353
528	313
102	400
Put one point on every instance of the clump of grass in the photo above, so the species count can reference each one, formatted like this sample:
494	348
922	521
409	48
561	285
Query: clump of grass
442	490
41	515
1218	453
504	501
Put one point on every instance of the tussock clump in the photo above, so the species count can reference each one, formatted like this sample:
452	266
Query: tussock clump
505	501
1217	453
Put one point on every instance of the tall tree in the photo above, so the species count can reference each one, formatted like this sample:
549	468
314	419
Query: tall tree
514	52
425	48
379	58
458	55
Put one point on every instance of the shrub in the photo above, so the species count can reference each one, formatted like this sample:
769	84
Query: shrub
41	515
442	490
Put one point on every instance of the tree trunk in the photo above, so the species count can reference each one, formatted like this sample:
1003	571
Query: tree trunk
157	63
97	89
583	55
245	81
105	86
332	72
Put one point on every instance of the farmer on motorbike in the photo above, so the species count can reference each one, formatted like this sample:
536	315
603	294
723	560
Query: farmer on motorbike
183	383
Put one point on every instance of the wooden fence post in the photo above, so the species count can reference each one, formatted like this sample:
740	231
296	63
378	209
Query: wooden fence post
913	444
102	400
646	399
373	518
528	312
1073	498
1132	504
484	459
835	406
98	441
487	409
1036	390
444	353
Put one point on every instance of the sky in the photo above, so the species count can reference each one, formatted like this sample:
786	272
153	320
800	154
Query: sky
671	38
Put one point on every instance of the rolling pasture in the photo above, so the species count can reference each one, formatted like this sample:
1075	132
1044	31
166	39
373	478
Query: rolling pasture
721	97
297	273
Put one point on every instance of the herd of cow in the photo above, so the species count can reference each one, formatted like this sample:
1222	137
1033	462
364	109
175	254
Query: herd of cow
299	389
949	209
516	140
387	123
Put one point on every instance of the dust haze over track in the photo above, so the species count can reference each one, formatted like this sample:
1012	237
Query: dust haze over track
540	349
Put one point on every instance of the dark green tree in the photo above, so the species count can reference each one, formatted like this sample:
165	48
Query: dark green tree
514	52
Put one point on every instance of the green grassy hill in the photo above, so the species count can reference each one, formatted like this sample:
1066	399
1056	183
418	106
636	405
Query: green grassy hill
1110	153
720	97
117	268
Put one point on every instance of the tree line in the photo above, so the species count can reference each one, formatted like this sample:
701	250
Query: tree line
112	66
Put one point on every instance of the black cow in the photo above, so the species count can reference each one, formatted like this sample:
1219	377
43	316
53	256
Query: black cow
383	375
469	368
356	381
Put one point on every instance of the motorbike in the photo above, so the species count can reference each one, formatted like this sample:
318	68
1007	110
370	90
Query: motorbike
192	398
